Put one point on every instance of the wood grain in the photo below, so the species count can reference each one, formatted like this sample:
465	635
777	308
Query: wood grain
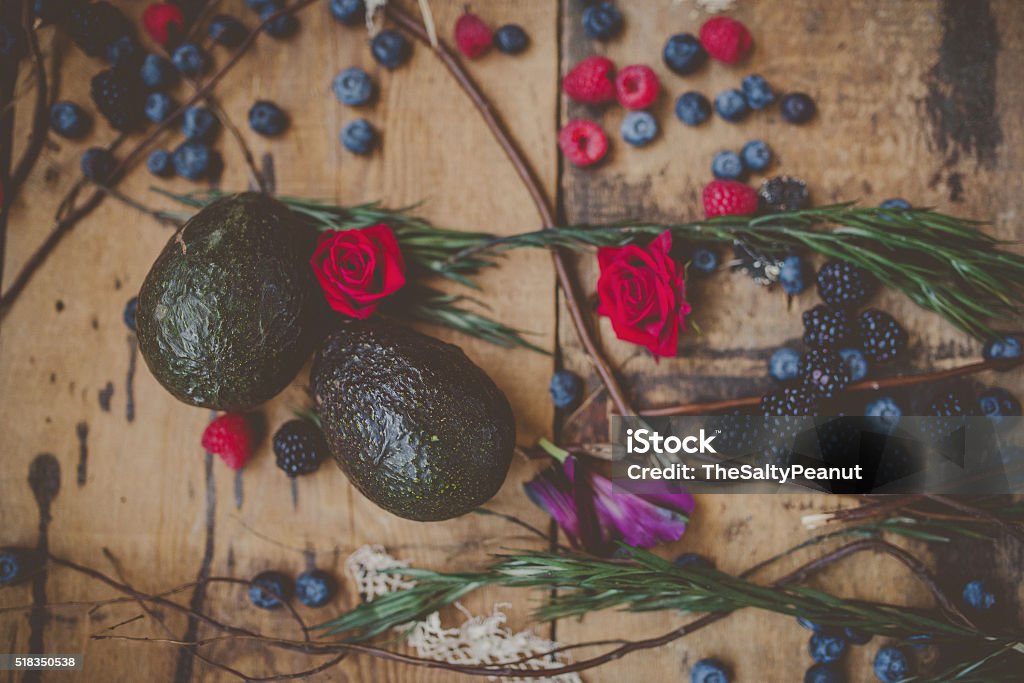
880	72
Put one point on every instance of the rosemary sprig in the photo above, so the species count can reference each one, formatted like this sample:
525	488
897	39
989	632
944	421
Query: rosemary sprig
943	263
428	251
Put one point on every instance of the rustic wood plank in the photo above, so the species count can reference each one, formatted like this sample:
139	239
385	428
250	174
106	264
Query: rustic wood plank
915	100
148	495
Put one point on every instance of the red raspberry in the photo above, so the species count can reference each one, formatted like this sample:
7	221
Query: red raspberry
583	142
729	198
590	81
637	86
725	39
228	436
163	22
472	36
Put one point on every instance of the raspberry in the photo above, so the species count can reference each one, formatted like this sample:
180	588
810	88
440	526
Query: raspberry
472	36
725	39
228	436
729	198
163	22
299	447
825	327
637	86
590	81
583	142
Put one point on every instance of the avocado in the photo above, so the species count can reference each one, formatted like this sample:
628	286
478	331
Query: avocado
417	427
228	313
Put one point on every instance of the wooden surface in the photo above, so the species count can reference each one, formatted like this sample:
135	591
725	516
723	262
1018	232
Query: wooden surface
890	79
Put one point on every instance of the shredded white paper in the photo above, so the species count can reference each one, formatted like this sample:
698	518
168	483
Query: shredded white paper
478	640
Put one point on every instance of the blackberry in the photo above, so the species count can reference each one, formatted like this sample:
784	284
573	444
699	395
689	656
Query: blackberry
270	589
94	26
824	372
299	447
788	402
883	338
826	327
844	285
125	50
739	435
948	411
55	11
315	588
120	97
786	414
783	193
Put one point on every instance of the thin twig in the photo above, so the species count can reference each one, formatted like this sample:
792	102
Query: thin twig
533	187
40	114
899	381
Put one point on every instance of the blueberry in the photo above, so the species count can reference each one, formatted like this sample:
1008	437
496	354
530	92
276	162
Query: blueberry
130	309
811	625
692	108
602	21
886	413
269	590
565	388
826	648
976	595
1004	348
704	260
997	403
359	136
348	12
193	160
731	106
390	49
283	26
190	59
727	165
511	39
159	106
757	155
856	363
684	54
69	120
757	91
823	673
315	588
857	637
791	275
124	50
266	118
693	560
891	665
199	124
157	73
17	565
895	203
639	128
797	107
98	164
353	87
226	30
784	364
709	671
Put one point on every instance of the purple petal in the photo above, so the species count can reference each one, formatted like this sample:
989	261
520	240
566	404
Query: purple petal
550	491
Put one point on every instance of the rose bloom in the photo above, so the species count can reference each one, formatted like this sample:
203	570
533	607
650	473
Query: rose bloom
358	268
641	290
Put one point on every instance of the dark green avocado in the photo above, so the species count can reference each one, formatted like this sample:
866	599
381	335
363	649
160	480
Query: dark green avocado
228	313
417	427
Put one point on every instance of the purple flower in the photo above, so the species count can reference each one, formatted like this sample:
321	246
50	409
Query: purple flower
593	514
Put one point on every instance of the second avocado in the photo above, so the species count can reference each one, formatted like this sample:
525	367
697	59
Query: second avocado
417	427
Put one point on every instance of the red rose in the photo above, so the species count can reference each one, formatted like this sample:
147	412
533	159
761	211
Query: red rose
358	268
642	292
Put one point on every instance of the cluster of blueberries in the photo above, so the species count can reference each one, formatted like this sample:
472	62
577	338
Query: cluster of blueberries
271	589
755	157
733	105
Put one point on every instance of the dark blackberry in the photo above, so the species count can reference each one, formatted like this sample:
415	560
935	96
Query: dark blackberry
883	338
94	26
789	402
825	327
739	434
824	372
55	11
844	285
783	193
786	413
299	447
120	96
